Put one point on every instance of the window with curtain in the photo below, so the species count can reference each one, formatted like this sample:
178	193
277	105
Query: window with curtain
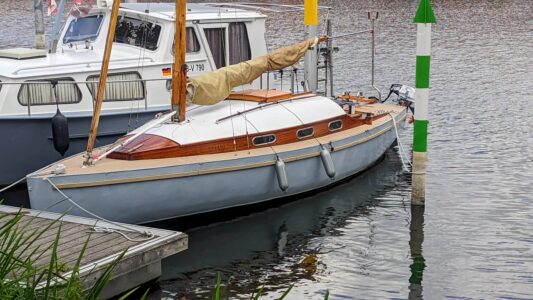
191	44
192	41
67	92
239	45
216	38
119	91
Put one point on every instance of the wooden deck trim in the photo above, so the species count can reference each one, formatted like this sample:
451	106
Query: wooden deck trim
260	95
218	170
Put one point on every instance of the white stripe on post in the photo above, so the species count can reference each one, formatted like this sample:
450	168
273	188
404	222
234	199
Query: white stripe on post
423	39
421	104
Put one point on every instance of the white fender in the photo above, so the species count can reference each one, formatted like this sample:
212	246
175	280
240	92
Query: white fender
283	181
327	161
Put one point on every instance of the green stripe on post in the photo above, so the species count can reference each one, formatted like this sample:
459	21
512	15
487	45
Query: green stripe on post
420	136
422	72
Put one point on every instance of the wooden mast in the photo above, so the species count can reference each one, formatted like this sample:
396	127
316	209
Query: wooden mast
102	82
179	69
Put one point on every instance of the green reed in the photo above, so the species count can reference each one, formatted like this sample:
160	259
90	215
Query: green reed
220	293
21	278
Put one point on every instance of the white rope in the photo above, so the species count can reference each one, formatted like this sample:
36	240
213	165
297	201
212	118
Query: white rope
13	184
402	152
102	229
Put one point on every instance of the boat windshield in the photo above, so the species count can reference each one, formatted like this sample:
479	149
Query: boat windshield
83	29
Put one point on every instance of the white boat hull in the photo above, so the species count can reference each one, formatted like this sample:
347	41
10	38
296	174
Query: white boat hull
146	195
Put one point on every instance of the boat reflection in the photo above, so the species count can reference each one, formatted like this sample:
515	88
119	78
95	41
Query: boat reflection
277	241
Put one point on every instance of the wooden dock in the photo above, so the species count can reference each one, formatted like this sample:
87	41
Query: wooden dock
145	247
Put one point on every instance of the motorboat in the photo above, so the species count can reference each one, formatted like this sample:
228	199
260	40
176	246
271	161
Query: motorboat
36	84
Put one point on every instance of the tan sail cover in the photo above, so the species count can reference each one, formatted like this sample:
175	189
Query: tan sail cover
213	87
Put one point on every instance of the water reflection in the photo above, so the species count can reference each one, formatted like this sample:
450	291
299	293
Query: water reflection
282	245
416	240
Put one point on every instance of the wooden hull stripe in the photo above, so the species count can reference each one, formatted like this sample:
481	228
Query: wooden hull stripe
216	170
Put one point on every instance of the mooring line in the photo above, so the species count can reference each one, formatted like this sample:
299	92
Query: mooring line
402	152
100	229
13	184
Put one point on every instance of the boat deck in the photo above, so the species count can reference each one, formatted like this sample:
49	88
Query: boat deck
74	164
145	247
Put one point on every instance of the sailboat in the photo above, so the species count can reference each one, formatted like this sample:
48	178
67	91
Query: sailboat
221	146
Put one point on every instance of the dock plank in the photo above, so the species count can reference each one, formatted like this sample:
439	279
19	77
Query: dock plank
103	247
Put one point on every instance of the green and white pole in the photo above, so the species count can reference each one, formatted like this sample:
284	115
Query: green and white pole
424	18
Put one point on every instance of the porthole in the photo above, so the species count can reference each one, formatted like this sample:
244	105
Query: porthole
264	140
305	132
335	125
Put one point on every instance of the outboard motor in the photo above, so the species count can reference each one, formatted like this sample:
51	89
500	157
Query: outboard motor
405	95
60	132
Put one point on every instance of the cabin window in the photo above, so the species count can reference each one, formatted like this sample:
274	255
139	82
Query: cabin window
192	44
216	38
264	140
306	132
139	33
40	93
131	89
239	45
335	125
83	29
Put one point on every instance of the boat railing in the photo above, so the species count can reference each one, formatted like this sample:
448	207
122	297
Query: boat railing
87	63
267	7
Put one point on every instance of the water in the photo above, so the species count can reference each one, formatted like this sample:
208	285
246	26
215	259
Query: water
362	239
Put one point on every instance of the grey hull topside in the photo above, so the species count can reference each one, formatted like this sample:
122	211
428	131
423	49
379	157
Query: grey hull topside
27	143
153	200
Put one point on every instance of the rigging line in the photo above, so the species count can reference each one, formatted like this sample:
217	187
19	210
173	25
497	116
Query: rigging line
270	146
325	29
226	63
143	56
232	128
148	233
302	122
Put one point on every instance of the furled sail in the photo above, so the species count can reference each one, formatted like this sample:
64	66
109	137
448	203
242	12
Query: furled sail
213	87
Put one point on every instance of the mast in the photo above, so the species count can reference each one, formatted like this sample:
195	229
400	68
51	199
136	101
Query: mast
179	69
102	82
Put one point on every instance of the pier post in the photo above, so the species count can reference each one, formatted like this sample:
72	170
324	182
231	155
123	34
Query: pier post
40	42
424	18
311	23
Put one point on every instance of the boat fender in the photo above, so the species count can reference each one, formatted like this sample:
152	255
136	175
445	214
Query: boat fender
60	132
283	181
327	161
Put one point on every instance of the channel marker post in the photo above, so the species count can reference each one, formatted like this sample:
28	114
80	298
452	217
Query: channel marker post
424	18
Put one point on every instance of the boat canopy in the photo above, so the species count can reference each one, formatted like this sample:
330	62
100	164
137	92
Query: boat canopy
213	87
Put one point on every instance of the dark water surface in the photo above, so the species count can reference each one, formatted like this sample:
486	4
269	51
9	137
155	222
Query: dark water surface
362	239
